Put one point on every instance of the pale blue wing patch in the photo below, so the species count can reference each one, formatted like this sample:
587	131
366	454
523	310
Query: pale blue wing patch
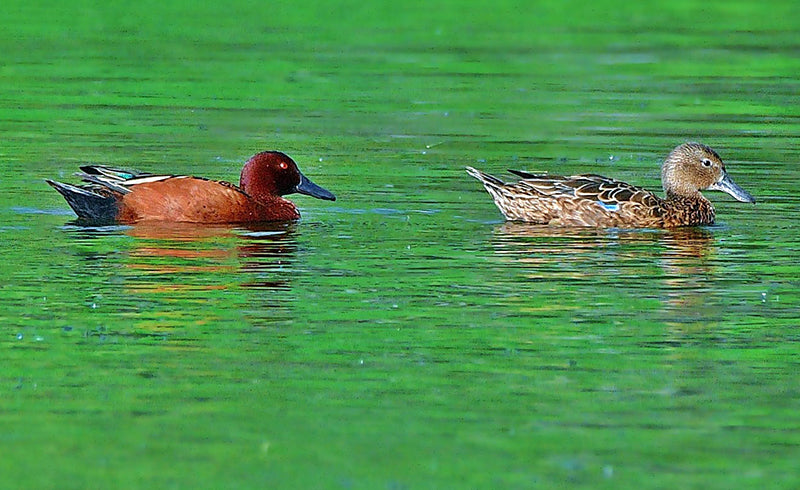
608	206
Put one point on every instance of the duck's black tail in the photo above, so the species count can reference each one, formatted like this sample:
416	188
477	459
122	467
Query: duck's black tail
89	203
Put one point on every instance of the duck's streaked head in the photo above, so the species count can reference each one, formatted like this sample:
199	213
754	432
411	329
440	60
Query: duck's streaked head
692	167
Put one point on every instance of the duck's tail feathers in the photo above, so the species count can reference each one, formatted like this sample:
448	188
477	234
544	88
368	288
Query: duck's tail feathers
87	202
528	175
486	179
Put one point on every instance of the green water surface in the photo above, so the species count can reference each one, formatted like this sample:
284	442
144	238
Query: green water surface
403	336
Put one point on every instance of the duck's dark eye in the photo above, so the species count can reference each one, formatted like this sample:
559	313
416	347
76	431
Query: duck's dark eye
706	162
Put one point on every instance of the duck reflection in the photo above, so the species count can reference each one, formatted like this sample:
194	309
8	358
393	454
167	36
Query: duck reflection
170	257
684	241
672	265
682	251
687	260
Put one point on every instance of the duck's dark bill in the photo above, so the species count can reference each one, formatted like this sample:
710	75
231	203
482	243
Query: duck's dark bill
311	189
726	184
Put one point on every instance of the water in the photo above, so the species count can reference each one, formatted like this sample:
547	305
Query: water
403	336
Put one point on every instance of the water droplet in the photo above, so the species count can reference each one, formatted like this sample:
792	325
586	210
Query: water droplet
19	336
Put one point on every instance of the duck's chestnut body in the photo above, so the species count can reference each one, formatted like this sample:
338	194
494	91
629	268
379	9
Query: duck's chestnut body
126	197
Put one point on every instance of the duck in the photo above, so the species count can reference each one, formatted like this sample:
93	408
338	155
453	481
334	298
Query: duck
127	197
591	200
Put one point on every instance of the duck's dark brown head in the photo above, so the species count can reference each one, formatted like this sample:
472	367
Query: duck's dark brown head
273	173
692	167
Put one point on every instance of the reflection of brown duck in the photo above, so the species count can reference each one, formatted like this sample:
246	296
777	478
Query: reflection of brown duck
686	264
559	253
515	236
687	243
596	201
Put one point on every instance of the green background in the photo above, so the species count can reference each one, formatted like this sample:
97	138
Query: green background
403	336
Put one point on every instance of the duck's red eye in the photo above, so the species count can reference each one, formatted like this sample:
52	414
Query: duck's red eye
283	165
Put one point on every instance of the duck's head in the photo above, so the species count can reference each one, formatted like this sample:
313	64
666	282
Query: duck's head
692	167
272	173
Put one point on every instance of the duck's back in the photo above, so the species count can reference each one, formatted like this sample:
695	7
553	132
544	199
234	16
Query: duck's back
197	200
578	200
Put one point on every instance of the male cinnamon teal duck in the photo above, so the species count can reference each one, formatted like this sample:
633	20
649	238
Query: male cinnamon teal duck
596	201
128	197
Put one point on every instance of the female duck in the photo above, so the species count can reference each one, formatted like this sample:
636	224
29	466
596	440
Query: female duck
125	197
596	201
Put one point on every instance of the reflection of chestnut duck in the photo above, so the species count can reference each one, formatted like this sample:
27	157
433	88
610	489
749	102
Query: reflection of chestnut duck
596	201
125	197
172	256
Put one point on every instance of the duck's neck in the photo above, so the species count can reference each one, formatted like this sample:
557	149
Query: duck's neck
692	210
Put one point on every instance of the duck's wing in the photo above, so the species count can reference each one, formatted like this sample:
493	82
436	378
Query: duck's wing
117	180
610	193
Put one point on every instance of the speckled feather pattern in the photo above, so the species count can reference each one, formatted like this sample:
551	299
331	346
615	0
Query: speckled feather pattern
581	200
596	201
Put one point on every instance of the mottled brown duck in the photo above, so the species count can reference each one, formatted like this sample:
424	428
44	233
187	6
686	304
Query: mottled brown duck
597	201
